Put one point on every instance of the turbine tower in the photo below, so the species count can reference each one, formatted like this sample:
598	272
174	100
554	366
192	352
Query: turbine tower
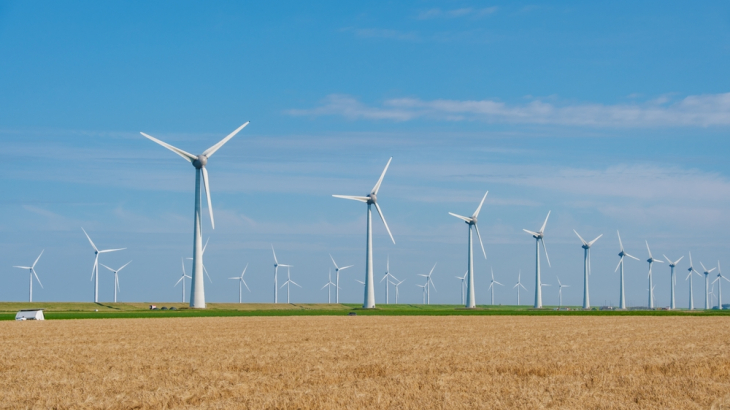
491	285
31	270
622	296
371	199
329	285
116	278
691	270
337	278
288	282
719	285
560	292
424	291
429	281
197	287
586	267
241	281
182	279
463	286
95	269
472	222
651	261
276	275
539	237
673	280
707	284
518	286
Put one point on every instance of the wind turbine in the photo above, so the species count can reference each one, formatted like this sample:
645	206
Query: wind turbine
31	270
95	269
518	286
463	286
387	280
116	278
424	291
719	285
560	292
539	235
288	281
396	289
429	280
673	280
491	285
622	296
329	285
371	199
241	281
651	261
691	270
276	275
197	288
472	222
707	284
337	278
182	279
586	267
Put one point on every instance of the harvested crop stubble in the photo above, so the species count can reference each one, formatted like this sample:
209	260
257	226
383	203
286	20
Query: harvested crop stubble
367	362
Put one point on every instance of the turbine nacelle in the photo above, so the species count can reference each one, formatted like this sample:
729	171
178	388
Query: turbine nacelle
200	161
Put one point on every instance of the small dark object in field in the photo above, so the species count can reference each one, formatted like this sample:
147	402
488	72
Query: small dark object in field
352	314
173	308
163	308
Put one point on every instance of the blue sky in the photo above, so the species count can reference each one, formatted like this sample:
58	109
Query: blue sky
613	116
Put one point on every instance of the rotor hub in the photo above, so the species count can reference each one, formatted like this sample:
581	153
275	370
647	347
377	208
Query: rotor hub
200	162
372	198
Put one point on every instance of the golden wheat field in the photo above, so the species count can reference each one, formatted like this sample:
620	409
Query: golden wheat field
367	362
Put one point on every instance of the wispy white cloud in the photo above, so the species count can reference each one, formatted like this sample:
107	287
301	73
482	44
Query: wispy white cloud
454	13
691	111
383	33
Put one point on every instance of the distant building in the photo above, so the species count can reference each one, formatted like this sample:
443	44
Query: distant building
30	314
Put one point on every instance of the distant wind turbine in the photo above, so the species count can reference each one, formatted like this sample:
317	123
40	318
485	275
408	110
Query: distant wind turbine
95	269
539	237
337	278
491	286
197	287
31	271
424	291
472	222
691	270
707	284
329	285
116	278
518	286
651	261
586	267
387	280
463	286
288	282
201	254
276	275
241	281
719	285
396	289
182	279
371	199
429	281
622	296
560	292
672	280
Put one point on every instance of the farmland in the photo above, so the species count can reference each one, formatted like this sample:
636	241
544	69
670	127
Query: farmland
411	362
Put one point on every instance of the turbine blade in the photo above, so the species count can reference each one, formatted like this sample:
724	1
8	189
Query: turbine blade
546	254
579	237
665	257
182	260
690	259
463	218
523	286
354	198
380	212
207	194
22	267
630	256
333	262
683	258
112	250
531	233
125	265
647	248
89	238
272	250
206	274
36	278
545	223
210	151
594	241
376	188
476	213
343	268
294	283
110	269
498	283
188	156
205	246
244	271
36	259
96	265
703	267
480	241
325	285
619	240
619	264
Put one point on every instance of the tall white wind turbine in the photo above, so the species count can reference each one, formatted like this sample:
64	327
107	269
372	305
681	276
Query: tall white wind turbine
337	278
197	287
539	237
95	269
651	261
472	222
672	280
560	292
371	199
387	278
241	281
707	272
31	271
518	286
622	295
586	268
491	286
463	286
329	285
691	270
429	281
288	282
116	278
719	285
182	279
276	275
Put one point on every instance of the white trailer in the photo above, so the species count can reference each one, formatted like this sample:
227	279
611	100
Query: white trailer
30	314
